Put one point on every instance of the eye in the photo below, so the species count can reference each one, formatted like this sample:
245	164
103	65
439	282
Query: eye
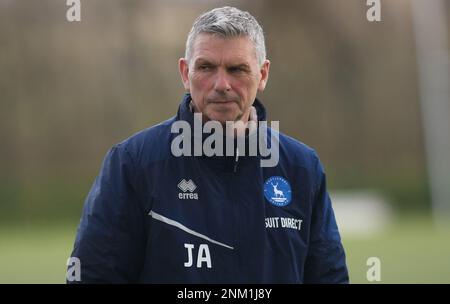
238	69
205	67
235	69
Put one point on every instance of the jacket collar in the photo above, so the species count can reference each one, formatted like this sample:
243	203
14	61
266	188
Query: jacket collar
228	162
185	112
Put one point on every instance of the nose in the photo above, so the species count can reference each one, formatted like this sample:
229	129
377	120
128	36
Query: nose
222	83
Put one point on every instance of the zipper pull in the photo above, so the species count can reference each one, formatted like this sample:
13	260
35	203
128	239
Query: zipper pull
236	160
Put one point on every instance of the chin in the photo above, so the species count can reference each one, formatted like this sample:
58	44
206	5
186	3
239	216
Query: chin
222	117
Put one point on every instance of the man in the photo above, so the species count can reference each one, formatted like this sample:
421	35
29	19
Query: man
155	217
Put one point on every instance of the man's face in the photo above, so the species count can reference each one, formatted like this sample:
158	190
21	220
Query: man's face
223	77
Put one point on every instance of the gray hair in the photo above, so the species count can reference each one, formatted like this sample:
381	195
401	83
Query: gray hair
228	22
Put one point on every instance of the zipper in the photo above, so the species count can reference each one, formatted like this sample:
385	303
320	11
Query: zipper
236	227
236	160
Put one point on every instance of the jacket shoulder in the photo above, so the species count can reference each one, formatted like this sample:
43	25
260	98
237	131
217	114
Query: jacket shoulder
297	153
149	145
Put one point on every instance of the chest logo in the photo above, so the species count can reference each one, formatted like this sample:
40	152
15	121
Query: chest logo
187	187
277	191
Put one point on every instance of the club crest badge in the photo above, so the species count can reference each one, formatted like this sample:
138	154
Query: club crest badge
277	191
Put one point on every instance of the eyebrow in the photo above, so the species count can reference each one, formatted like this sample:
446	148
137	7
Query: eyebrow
240	65
200	61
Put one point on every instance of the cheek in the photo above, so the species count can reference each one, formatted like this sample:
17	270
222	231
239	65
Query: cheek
245	87
200	82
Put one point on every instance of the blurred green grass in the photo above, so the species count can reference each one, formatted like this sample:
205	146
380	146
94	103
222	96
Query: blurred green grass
35	253
411	251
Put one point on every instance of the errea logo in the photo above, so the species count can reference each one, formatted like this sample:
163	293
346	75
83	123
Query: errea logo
188	188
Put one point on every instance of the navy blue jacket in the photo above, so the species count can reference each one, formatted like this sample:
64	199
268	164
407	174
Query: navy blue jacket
152	217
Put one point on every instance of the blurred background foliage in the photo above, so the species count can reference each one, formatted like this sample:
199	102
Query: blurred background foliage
69	91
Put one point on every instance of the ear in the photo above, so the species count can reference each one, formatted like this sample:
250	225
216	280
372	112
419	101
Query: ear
264	75
183	67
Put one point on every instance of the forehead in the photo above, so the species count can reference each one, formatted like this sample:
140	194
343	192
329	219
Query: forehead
215	48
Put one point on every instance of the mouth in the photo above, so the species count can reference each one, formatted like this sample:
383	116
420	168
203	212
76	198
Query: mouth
222	101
